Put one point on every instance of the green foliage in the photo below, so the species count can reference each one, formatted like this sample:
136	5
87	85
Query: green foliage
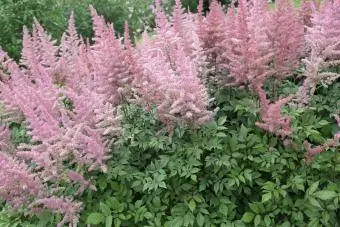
228	173
53	15
225	174
19	134
192	4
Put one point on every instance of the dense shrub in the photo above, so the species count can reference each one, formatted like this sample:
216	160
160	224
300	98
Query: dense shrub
106	133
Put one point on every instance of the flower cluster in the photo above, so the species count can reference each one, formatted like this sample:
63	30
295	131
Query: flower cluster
323	38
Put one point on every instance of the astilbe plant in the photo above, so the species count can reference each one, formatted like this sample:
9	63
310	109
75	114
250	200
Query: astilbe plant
286	37
170	77
272	119
18	185
212	32
69	94
306	12
247	50
186	26
110	67
249	53
78	134
324	41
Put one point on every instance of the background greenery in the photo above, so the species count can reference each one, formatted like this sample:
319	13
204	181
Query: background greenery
54	14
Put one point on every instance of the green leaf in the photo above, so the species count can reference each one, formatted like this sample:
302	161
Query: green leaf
194	178
247	217
257	220
222	120
255	207
223	209
221	135
325	195
313	187
105	209
200	219
117	222
198	198
266	197
95	218
323	122
233	143
243	133
192	205
108	221
314	202
267	220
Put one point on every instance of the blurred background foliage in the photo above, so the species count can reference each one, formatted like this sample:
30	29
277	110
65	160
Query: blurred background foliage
54	14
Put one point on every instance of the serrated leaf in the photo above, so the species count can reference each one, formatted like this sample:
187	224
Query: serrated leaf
325	195
192	205
267	220
266	197
117	222
162	184
247	217
216	187
194	178
255	207
223	209
313	187
105	209
233	143
200	219
323	122
198	198
221	135
257	220
314	202
243	133
108	221
222	120
95	218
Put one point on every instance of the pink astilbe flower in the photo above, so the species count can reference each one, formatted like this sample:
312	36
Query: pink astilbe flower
64	206
324	40
39	51
71	66
306	12
247	49
212	33
87	145
334	142
186	26
168	79
87	126
78	134
286	36
48	158
5	138
161	19
272	119
17	185
109	60
76	177
37	100
70	41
